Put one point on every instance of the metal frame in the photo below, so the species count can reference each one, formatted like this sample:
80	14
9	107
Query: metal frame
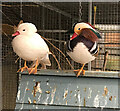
70	73
62	90
90	21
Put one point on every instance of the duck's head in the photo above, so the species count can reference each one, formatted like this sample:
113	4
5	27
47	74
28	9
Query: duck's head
77	28
25	29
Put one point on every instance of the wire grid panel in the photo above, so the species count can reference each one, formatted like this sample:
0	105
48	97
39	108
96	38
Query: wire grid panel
109	25
9	67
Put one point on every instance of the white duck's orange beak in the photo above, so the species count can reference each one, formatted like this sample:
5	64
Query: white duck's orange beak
16	33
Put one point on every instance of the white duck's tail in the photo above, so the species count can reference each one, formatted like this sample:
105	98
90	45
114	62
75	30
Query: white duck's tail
46	61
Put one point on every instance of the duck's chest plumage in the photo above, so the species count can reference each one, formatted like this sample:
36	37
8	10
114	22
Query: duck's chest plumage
79	49
30	47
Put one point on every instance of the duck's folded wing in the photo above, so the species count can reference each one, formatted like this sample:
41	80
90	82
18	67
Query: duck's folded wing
90	34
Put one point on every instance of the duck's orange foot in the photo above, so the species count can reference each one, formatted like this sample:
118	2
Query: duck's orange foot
32	70
23	69
80	70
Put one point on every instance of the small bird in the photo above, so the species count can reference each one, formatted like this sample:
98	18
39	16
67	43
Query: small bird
29	45
82	46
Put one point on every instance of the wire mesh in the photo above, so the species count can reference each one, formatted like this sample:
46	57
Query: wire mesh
108	23
52	21
9	76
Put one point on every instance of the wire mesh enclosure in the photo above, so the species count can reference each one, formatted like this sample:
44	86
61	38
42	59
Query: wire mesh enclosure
52	20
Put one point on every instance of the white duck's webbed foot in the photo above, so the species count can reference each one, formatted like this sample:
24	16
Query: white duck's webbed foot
23	68
33	70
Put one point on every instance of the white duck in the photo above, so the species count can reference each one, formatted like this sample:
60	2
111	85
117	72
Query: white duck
29	45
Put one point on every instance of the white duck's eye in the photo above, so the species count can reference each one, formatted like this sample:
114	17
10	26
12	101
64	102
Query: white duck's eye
23	29
78	28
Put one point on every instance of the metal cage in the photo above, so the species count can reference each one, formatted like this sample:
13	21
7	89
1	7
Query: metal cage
52	20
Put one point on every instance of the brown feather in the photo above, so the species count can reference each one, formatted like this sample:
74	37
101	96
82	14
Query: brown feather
21	21
15	27
89	34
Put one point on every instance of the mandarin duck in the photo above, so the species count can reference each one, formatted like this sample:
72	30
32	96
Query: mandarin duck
82	46
29	45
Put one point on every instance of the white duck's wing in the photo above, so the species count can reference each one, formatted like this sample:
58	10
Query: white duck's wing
46	60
